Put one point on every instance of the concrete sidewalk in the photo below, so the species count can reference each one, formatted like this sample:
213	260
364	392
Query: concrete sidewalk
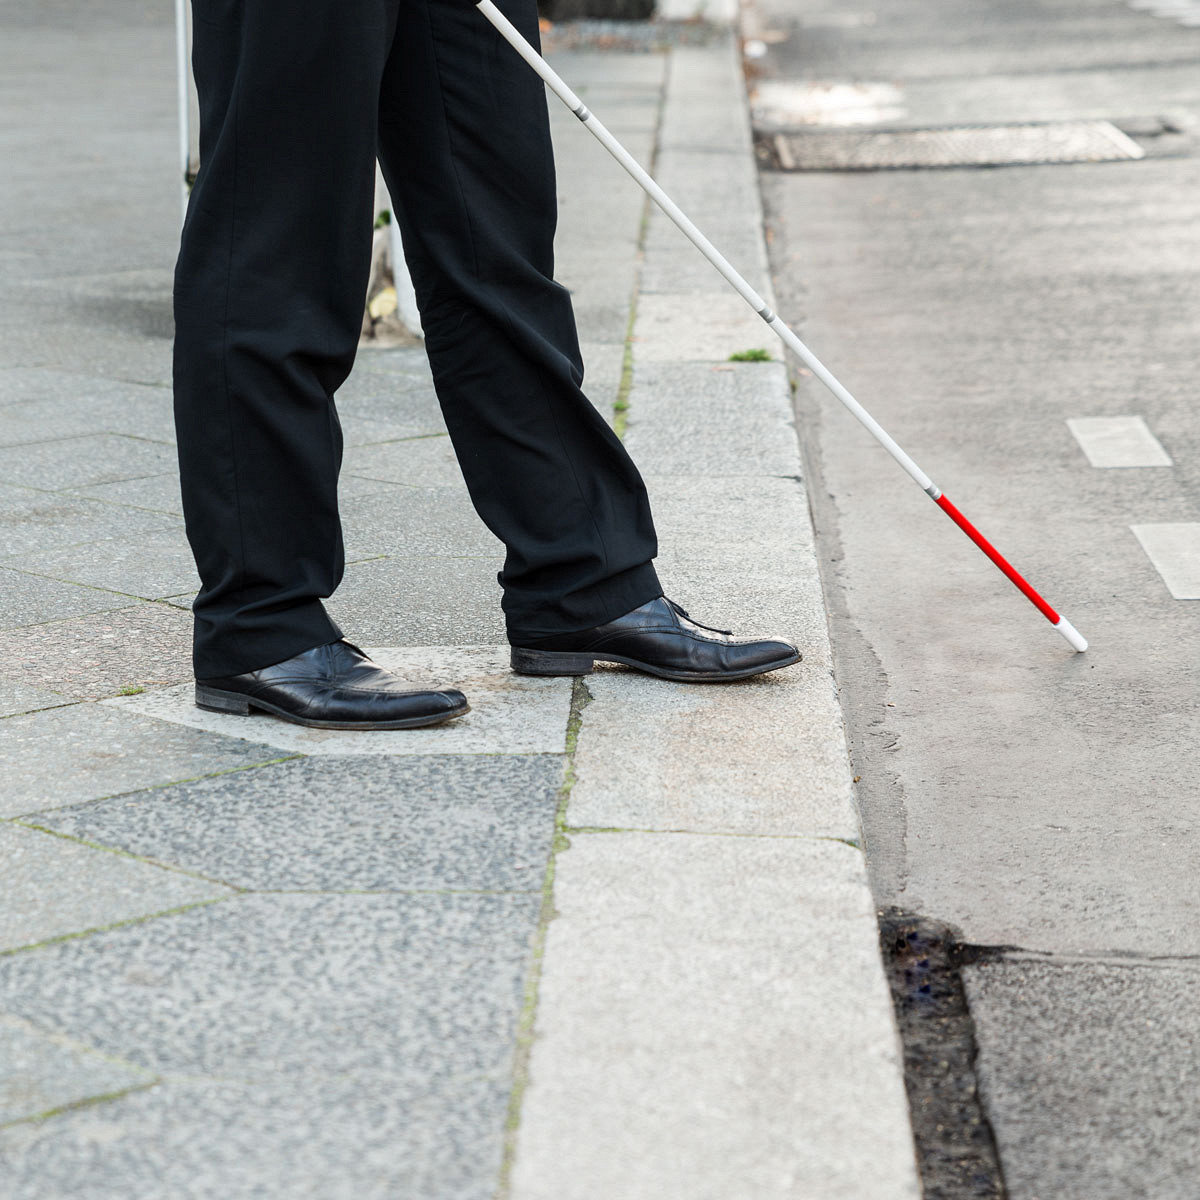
604	939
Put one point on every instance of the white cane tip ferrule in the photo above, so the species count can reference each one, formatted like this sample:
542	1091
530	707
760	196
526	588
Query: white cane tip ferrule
1077	640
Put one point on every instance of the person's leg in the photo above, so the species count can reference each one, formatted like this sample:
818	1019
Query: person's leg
465	145
269	290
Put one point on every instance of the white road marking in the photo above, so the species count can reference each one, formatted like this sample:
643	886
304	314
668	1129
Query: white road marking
1175	552
1118	442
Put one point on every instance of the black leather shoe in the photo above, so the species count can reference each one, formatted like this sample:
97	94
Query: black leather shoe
335	686
660	639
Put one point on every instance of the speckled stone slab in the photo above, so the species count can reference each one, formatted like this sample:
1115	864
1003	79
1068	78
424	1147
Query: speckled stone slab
480	822
40	1072
85	751
324	1138
54	887
285	988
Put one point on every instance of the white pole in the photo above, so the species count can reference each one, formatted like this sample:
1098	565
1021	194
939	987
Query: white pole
513	36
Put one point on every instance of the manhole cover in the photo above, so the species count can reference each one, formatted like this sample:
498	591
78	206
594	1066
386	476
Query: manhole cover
964	146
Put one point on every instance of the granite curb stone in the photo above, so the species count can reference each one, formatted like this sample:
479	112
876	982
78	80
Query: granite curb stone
701	1017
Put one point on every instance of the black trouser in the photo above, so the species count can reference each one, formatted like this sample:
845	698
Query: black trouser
297	99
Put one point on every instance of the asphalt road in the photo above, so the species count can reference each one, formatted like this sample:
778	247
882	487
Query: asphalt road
1041	802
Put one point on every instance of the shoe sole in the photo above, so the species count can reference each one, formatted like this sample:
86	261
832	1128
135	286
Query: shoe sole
563	662
215	700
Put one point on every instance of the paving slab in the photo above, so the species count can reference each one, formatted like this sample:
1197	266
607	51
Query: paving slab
44	340
713	419
738	555
712	1012
415	522
763	756
82	752
676	267
414	987
510	714
42	1072
87	406
699	327
79	461
160	493
32	599
1090	1075
426	601
150	567
699	111
339	824
88	657
17	697
353	1138
21	385
35	519
54	887
604	365
419	462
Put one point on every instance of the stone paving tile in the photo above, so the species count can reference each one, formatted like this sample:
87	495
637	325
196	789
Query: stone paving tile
17	697
737	554
738	418
419	462
67	755
699	327
429	823
676	266
79	461
89	407
27	599
351	488
763	756
66	388
54	887
35	520
353	1138
22	384
425	601
415	522
94	656
39	1072
114	353
510	714
604	362
392	393
157	492
153	566
367	431
418	987
713	1023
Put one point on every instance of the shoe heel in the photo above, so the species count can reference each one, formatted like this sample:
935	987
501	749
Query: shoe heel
550	662
226	702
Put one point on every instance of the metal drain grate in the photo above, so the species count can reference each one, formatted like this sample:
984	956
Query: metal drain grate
965	146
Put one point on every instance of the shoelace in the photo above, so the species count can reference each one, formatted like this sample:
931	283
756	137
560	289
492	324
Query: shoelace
682	612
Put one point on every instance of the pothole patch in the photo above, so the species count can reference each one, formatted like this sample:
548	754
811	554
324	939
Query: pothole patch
956	1151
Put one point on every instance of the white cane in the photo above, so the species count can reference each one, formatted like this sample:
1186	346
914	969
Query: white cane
511	35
